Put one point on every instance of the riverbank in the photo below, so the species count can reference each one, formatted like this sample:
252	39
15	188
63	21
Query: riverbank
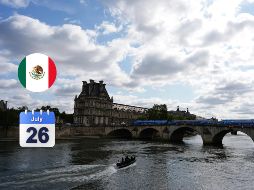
4	139
65	132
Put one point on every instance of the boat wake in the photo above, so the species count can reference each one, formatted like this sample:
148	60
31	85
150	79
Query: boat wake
58	178
130	166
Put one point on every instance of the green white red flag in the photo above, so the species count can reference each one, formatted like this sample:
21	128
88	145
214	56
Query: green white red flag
37	72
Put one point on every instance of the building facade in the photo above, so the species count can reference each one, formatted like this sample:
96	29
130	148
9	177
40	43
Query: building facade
94	107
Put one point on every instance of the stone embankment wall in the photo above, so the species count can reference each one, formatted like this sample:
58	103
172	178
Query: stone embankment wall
61	132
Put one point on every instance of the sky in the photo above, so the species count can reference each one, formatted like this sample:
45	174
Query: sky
192	53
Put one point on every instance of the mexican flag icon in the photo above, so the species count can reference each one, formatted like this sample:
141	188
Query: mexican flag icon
37	72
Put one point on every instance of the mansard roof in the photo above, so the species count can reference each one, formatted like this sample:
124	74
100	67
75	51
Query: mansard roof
94	89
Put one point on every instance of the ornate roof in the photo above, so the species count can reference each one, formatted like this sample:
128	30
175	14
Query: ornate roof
94	89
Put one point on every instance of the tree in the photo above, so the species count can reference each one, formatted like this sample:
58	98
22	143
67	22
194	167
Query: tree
11	116
45	108
158	112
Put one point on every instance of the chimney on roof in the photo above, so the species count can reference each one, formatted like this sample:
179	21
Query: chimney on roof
90	86
83	86
101	81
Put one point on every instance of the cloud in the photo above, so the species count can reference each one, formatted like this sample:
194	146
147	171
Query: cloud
56	5
16	3
154	44
198	43
82	2
67	88
244	109
72	48
187	28
72	21
6	67
235	87
154	65
8	84
232	29
75	51
137	101
108	28
226	93
214	100
232	97
151	20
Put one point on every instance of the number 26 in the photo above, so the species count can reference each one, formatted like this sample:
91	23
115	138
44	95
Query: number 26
42	133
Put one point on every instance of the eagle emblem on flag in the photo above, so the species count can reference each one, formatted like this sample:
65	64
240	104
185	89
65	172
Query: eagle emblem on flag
37	72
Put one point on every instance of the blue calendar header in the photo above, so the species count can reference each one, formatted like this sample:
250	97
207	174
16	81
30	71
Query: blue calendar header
37	118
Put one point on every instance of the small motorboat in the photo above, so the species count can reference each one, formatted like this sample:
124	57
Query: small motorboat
126	162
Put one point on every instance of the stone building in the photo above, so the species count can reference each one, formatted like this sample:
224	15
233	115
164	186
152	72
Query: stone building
94	107
182	113
122	114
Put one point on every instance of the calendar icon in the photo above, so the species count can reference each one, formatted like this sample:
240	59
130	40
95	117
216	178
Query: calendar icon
37	129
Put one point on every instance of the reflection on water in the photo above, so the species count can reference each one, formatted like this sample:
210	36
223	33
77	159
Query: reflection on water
89	164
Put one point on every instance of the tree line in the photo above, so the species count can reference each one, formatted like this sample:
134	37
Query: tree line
160	112
11	116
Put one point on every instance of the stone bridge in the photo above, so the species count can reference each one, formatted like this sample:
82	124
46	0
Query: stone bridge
211	135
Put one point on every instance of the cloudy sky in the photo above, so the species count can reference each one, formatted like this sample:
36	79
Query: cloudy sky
192	53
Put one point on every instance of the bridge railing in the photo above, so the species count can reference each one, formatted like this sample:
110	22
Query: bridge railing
205	122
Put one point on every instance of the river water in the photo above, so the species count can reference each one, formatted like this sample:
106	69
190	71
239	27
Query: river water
89	164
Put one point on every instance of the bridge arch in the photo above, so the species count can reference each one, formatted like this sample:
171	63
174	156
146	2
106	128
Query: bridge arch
177	135
218	137
149	133
120	133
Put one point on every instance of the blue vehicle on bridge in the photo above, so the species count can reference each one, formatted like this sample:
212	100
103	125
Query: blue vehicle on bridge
237	122
203	122
173	122
149	122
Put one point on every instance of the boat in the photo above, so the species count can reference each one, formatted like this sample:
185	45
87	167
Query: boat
126	162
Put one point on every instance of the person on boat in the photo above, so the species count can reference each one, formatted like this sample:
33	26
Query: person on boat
127	159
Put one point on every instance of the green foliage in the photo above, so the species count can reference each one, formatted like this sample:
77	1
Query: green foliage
45	108
160	112
11	116
67	118
142	117
182	116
